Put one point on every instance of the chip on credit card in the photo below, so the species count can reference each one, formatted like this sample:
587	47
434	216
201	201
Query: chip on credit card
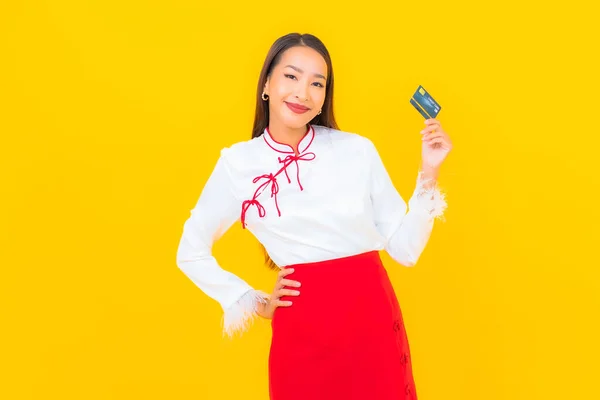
425	104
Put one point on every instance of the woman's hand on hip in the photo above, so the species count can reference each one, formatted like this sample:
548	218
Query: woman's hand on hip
267	310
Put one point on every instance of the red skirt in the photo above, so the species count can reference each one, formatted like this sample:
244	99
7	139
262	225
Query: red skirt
343	337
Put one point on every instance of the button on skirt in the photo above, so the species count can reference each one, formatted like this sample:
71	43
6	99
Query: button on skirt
343	337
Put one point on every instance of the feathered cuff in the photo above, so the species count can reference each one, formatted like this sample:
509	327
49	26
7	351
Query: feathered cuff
433	200
238	317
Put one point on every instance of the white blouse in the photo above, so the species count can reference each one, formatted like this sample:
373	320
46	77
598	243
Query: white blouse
334	199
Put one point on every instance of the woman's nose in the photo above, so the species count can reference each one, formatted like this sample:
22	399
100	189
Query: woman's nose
302	93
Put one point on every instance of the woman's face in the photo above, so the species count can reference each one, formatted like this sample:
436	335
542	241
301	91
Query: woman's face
296	87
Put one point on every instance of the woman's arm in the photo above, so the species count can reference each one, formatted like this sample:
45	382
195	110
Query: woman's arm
215	211
406	233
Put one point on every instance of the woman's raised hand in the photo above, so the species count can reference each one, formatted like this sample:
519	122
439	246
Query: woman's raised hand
436	144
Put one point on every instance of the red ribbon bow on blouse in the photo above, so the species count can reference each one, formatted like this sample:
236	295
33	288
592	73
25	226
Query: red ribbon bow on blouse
272	180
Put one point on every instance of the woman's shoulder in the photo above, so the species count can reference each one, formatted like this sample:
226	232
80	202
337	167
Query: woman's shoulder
241	151
344	138
247	159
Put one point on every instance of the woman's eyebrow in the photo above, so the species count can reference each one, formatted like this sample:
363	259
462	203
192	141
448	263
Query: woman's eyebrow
300	71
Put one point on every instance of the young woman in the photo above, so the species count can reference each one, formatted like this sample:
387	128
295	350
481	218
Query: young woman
322	204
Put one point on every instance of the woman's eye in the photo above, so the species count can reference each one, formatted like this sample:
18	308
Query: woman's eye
290	76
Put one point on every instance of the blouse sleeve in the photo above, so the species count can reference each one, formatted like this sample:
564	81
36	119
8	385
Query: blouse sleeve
214	213
406	233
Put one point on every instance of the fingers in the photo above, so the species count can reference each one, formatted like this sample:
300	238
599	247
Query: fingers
287	292
284	272
435	142
432	128
288	283
282	303
432	124
439	142
436	139
276	299
280	290
433	135
282	281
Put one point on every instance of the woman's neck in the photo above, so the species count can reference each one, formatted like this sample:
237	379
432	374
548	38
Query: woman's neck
286	135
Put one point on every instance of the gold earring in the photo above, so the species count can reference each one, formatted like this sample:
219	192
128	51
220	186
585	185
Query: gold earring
320	111
263	96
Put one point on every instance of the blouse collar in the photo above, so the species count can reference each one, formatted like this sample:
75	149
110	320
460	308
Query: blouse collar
304	144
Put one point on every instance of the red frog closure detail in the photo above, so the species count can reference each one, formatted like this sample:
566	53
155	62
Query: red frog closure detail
270	179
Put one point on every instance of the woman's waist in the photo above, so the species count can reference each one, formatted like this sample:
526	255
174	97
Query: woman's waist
363	258
341	285
316	246
338	274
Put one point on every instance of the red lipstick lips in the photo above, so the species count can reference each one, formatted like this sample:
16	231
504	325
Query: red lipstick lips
297	108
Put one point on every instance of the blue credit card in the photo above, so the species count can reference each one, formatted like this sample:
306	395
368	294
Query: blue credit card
425	104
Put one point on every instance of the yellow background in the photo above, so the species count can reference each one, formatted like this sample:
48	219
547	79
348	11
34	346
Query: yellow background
112	114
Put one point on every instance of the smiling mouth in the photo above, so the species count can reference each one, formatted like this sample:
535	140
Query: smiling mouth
298	109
